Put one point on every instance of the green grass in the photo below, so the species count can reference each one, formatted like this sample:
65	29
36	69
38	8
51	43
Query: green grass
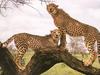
61	69
28	56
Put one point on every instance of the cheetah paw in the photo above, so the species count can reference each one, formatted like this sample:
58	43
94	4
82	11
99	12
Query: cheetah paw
87	63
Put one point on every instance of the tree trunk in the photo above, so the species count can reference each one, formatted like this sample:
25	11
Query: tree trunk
7	63
42	61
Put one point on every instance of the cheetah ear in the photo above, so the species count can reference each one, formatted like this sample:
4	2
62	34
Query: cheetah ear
51	31
57	6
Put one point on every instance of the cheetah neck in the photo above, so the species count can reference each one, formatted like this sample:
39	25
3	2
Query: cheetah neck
53	41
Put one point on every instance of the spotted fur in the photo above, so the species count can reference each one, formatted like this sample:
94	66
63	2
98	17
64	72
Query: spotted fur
24	41
75	28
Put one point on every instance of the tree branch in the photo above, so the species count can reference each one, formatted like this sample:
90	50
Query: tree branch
78	65
43	60
48	57
40	63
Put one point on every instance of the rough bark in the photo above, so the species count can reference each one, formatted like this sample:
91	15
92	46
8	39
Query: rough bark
56	55
7	63
42	61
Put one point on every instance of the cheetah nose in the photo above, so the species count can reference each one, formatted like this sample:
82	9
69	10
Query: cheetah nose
51	10
56	36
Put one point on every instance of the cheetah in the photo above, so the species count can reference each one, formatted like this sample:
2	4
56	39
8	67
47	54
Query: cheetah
24	41
68	25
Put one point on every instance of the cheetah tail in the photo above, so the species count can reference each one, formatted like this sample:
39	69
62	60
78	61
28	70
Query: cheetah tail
7	41
98	46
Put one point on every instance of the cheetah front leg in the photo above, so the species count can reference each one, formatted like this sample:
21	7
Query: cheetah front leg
62	39
92	53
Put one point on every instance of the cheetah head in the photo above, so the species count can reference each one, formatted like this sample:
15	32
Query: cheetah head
55	34
52	8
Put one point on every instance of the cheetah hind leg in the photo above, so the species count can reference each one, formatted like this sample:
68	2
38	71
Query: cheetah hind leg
91	56
19	61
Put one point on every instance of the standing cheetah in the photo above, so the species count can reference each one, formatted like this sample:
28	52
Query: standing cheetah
74	28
